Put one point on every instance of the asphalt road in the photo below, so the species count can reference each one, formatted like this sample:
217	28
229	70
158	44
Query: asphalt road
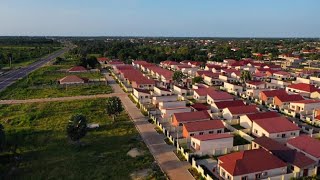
13	75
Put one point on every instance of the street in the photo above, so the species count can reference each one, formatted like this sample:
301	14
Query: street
12	76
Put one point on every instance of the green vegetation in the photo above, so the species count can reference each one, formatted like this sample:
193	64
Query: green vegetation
179	155
43	83
197	79
77	127
238	126
24	51
195	174
114	106
238	140
177	76
45	152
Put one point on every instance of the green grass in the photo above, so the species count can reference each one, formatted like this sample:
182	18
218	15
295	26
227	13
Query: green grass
237	126
238	140
46	153
43	84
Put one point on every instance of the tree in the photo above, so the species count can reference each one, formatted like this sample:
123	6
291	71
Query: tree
77	127
177	76
114	106
245	75
197	79
2	138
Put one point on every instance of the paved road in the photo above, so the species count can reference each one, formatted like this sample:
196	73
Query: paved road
12	76
162	152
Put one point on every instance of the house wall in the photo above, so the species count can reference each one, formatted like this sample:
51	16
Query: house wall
259	131
142	97
207	147
315	80
315	95
271	172
304	108
233	88
157	99
179	91
302	80
297	91
171	104
166	113
161	92
245	122
196	96
226	114
187	134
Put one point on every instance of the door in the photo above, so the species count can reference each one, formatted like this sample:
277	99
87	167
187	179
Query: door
305	172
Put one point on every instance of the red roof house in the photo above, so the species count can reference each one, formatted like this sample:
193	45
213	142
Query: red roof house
178	119
72	80
307	145
77	69
249	163
202	127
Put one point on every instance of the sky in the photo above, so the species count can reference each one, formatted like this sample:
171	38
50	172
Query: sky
178	18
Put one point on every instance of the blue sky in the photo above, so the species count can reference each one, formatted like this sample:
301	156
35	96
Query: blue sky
214	18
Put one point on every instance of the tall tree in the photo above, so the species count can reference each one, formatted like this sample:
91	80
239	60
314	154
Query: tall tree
77	127
177	76
114	106
245	76
197	79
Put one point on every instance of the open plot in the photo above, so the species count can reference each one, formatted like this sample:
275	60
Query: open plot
43	84
39	130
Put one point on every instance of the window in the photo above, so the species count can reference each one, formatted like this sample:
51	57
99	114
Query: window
219	131
228	177
265	174
244	178
258	175
146	96
200	133
210	132
223	173
293	134
283	135
256	131
192	134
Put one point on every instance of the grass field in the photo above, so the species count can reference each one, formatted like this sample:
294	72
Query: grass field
43	84
40	132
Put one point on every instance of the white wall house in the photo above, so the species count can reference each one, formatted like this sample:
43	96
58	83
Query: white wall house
143	96
208	143
232	88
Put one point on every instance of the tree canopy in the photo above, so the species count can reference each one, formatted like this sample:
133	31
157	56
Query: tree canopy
77	127
114	106
177	76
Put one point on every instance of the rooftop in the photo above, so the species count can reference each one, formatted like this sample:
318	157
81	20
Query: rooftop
204	125
208	137
251	161
276	124
306	144
191	116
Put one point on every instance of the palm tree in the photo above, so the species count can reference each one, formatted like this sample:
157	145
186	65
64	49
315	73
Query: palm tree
114	106
77	127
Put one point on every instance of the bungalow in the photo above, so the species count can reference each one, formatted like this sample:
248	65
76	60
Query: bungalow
209	143
72	79
180	90
255	85
143	83
230	113
159	91
200	107
103	60
253	93
202	127
258	76
178	119
219	106
302	88
267	96
250	164
281	75
304	106
157	99
283	101
212	79
201	93
142	95
217	96
277	84
168	112
77	69
308	146
225	78
297	161
232	88
277	128
171	104
247	119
